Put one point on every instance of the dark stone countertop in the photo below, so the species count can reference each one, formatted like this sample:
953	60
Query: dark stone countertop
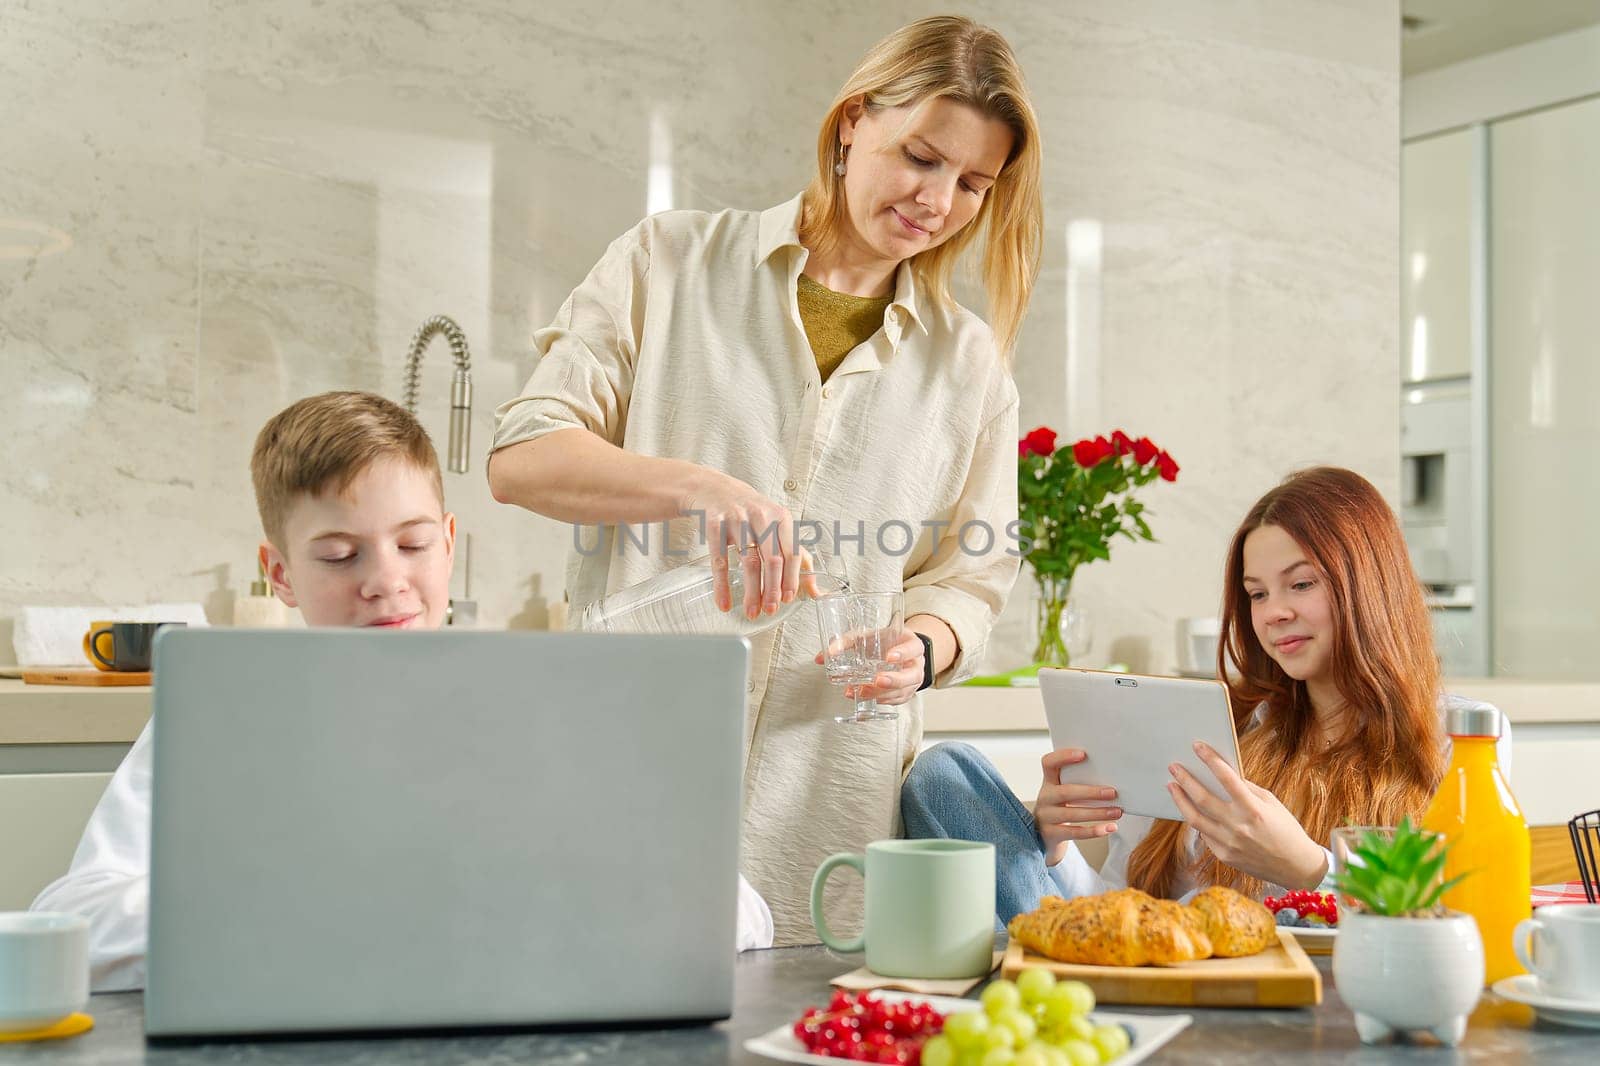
772	988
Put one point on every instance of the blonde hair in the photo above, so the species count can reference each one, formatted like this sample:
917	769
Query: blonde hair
326	441
954	58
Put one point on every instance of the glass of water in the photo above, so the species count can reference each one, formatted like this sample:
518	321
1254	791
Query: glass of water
858	630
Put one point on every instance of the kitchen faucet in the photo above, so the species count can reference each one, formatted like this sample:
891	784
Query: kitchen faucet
463	611
460	384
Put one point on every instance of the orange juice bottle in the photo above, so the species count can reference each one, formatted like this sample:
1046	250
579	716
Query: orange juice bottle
1476	812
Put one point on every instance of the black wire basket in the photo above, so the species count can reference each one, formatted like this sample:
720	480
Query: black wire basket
1585	830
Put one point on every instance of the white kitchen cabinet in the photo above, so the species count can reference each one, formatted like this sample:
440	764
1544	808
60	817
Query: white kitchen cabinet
1545	392
41	818
1436	190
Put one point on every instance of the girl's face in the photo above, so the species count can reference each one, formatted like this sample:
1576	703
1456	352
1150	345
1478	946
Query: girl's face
915	175
1289	606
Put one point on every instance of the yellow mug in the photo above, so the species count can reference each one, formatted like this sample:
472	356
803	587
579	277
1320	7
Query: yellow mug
131	644
98	646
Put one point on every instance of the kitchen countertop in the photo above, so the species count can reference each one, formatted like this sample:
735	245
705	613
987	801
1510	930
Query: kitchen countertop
772	987
59	714
980	709
69	714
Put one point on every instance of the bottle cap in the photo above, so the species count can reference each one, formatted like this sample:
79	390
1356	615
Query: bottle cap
1473	720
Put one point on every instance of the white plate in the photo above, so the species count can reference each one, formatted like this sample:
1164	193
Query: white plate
1524	988
1149	1031
1314	934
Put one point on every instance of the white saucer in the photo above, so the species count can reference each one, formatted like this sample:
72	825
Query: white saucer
1524	988
1316	939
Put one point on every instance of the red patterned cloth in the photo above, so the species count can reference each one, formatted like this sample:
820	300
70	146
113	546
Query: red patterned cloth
1569	892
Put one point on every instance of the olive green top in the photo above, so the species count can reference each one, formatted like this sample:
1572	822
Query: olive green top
836	322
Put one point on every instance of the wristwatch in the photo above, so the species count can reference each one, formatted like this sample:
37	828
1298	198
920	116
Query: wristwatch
927	660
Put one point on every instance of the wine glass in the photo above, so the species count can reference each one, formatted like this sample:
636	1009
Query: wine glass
858	630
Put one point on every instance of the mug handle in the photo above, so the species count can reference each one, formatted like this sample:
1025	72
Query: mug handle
91	647
820	881
1522	943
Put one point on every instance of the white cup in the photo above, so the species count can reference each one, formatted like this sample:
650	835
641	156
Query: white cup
1197	645
44	969
1560	945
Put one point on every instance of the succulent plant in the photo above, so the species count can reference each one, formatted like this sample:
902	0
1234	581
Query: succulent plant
1396	876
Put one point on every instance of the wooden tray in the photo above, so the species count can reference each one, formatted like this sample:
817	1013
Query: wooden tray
86	677
1281	976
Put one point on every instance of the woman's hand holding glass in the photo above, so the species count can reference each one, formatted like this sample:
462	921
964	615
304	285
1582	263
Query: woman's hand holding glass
859	630
1252	830
1064	813
890	687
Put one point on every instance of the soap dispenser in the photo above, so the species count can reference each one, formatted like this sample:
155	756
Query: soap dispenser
260	609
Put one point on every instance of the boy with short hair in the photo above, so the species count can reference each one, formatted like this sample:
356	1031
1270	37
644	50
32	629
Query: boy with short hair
352	507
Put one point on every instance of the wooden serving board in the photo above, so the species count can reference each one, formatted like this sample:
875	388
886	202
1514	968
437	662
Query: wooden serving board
86	677
1281	976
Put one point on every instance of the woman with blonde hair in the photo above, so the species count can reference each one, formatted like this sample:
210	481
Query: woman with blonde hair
747	378
1327	651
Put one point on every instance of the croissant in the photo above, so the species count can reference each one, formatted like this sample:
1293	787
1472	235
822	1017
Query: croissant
1123	928
1131	928
1236	924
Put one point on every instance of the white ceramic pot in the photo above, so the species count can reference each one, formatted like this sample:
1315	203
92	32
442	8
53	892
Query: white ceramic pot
1403	974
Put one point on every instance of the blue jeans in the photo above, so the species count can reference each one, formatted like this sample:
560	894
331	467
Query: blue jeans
953	792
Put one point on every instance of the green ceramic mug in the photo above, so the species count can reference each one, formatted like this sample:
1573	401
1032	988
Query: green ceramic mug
930	907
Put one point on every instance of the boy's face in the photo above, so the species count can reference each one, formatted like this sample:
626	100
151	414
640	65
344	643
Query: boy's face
378	554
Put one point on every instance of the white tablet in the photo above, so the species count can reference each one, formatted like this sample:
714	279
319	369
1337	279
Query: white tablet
1133	727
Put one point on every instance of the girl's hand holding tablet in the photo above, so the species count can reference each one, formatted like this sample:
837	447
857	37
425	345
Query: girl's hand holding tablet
1251	830
1065	813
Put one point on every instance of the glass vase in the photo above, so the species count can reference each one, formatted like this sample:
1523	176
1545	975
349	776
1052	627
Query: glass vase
1062	629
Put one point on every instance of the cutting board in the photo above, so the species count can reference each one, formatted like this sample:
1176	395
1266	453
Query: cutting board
99	678
1281	976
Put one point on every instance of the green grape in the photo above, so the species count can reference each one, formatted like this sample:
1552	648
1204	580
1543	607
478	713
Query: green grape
1081	1053
1000	1036
967	1029
1111	1041
939	1051
999	996
1056	1056
1034	984
1079	994
1000	1056
1019	1022
1077	1027
1059	1004
972	1057
1033	1055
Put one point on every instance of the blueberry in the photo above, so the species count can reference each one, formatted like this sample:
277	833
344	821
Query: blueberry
1288	916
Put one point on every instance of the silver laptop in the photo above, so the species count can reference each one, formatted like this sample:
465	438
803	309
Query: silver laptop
369	831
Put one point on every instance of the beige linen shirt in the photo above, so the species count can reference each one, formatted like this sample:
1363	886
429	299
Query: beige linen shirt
685	341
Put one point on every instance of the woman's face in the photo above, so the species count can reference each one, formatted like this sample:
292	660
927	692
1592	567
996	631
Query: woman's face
1289	606
915	175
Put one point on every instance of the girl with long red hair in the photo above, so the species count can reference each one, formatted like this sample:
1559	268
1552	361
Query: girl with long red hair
1327	652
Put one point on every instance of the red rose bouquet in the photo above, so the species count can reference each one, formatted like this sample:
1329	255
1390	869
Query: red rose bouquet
1072	501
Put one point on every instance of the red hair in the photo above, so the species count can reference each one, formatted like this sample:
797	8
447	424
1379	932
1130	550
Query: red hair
1382	662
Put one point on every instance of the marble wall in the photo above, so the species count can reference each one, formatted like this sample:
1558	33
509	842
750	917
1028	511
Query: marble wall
211	207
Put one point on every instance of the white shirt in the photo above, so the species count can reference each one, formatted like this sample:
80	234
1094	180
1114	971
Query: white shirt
685	342
1077	878
109	881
